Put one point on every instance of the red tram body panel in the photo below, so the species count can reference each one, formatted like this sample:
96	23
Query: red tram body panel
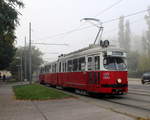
109	77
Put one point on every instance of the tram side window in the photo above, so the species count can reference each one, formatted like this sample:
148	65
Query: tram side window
49	68
82	64
90	64
69	66
41	70
60	67
97	62
65	67
45	69
75	65
53	68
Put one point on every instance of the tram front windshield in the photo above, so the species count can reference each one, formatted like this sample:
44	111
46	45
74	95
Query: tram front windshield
114	63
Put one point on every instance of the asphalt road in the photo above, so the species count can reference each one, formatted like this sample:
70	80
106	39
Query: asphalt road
135	104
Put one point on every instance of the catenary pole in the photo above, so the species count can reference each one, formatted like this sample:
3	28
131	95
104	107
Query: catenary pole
30	53
21	77
25	60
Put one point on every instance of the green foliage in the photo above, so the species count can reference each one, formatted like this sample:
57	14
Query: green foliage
14	67
138	64
124	34
139	61
140	118
121	32
147	37
37	92
8	23
127	36
132	60
7	51
144	64
21	53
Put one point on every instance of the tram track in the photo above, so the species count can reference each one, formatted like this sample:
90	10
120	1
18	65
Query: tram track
144	91
122	104
121	107
135	99
129	105
139	93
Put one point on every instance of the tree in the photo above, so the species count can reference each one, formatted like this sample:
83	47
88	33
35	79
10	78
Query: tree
21	53
147	40
132	59
8	23
121	32
124	34
144	64
127	36
144	45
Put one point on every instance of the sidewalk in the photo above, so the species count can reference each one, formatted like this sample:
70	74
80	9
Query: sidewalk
66	109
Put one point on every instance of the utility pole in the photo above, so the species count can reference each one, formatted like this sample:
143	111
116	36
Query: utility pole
30	53
21	77
25	61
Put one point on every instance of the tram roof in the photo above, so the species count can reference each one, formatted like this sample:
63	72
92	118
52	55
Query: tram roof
91	49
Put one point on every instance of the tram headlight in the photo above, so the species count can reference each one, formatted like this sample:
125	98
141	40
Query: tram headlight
119	80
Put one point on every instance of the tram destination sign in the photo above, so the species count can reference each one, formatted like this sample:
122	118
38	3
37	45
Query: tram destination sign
117	53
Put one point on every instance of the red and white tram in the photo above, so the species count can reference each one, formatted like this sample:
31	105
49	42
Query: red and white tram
93	69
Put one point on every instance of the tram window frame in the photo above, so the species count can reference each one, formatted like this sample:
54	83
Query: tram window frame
55	67
50	67
75	65
65	67
82	64
41	70
69	65
59	66
97	65
45	69
90	63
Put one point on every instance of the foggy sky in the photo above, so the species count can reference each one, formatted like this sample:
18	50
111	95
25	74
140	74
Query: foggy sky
51	17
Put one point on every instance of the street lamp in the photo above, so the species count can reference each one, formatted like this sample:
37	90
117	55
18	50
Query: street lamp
99	25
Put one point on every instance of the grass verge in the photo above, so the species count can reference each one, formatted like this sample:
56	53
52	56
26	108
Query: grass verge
37	92
139	118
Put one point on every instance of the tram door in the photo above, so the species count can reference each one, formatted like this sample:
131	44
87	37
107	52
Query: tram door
93	72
